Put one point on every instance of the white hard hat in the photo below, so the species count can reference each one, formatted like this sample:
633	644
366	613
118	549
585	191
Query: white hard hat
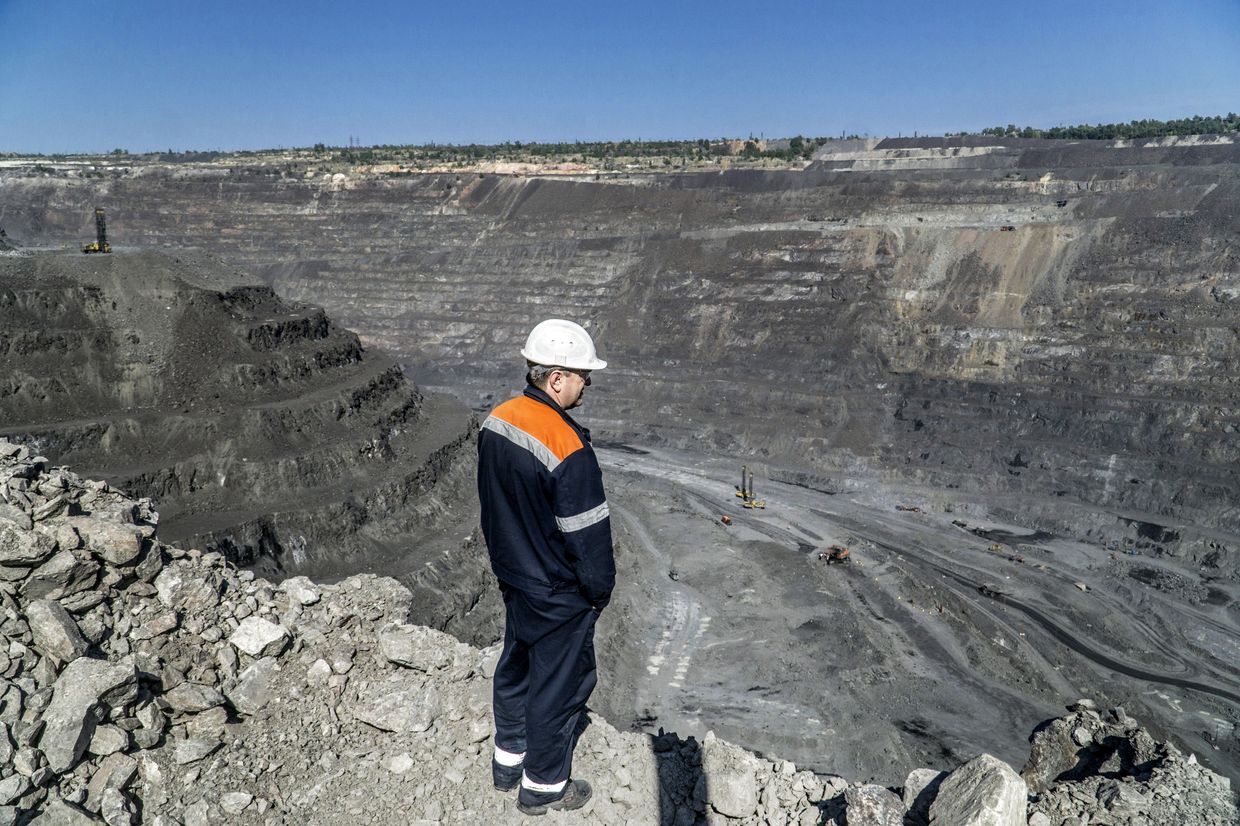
559	343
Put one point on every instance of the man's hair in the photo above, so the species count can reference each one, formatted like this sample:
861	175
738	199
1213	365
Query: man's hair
537	374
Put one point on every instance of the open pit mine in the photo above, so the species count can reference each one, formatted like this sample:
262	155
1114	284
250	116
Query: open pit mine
1000	372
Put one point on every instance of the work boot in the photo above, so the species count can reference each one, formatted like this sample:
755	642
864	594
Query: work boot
506	777
574	795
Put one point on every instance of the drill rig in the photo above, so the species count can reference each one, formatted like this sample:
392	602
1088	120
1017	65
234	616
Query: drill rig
101	235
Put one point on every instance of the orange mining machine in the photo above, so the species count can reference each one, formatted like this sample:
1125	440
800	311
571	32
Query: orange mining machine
835	553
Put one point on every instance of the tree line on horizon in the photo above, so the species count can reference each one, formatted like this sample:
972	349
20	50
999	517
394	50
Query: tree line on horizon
1146	128
696	149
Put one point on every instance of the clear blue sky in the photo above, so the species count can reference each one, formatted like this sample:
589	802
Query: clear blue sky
93	76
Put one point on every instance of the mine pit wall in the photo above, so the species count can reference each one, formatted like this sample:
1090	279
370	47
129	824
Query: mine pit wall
258	426
870	312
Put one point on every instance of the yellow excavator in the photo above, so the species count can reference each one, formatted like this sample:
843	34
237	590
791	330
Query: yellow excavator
100	243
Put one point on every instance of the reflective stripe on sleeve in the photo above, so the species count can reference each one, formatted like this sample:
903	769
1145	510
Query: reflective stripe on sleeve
522	439
584	519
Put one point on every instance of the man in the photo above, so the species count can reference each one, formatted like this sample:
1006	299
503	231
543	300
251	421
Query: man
546	523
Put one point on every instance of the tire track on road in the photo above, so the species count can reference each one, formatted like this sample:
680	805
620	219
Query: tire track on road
684	627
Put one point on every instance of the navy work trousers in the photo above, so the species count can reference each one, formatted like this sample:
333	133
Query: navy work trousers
544	677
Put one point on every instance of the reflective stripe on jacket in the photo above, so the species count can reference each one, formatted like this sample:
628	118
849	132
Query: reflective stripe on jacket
544	513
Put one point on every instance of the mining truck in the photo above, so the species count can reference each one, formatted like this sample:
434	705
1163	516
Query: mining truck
100	243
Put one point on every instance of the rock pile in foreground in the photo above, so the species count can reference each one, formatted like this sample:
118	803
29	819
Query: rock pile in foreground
146	683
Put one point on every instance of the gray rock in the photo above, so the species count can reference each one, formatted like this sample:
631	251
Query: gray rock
116	771
16	515
13	787
194	749
8	574
108	740
152	716
301	590
187	587
198	814
872	805
414	647
193	698
82	694
156	626
259	637
342	658
59	813
27	761
398	763
21	547
388	709
117	809
60	576
209	725
55	632
733	785
116	543
1086	743
318	672
920	788
234	803
252	689
151	563
983	792
146	738
489	660
51	507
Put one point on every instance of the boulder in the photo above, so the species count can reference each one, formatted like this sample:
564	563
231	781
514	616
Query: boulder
21	547
193	698
397	710
60	576
920	788
398	763
193	749
187	587
259	637
117	809
1087	742
55	632
116	771
301	590
108	740
417	647
872	805
161	623
733	786
116	543
318	672
16	515
59	813
80	697
234	803
13	787
252	688
208	725
983	792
